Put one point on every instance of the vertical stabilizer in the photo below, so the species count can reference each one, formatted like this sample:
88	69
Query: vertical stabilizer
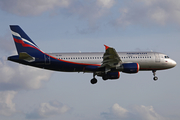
24	44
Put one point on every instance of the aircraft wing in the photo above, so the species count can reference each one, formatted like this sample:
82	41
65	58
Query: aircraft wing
110	59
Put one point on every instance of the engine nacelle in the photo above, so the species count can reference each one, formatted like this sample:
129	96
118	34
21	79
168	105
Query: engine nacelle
111	75
130	67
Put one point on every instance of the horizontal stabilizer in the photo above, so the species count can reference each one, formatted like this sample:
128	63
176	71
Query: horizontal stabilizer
26	57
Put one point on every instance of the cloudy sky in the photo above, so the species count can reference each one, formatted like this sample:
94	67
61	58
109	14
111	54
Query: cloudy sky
85	25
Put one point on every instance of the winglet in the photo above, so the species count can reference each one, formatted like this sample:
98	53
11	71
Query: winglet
106	47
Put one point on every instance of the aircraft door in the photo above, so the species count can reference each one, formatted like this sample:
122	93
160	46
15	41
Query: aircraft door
47	59
157	57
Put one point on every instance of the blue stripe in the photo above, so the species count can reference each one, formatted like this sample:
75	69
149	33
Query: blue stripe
16	37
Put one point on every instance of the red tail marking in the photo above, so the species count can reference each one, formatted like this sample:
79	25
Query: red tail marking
24	45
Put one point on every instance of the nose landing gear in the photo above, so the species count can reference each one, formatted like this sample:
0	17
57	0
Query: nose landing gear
154	74
94	80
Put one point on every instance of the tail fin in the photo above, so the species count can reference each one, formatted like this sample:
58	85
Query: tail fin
23	43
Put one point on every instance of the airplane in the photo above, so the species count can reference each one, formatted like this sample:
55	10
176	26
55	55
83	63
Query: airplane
107	65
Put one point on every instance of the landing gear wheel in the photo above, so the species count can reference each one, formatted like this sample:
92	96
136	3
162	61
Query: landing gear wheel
155	78
104	77
154	74
93	81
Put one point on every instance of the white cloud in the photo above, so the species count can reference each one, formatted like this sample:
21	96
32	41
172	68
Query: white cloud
31	7
17	77
159	15
7	107
136	113
7	44
148	113
145	12
119	111
88	9
48	109
106	3
92	11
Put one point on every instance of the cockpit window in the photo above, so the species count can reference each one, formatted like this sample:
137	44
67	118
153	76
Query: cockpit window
166	56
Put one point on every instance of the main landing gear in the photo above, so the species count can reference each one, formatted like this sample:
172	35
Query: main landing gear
154	74
94	80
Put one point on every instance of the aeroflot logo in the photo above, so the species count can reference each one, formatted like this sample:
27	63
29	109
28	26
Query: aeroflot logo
136	53
24	40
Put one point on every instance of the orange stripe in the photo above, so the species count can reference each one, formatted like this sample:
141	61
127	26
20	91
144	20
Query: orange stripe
118	74
137	67
26	45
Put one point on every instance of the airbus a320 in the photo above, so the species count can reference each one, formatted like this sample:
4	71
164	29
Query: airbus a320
107	65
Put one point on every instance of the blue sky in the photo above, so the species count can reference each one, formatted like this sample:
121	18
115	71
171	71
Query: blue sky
86	25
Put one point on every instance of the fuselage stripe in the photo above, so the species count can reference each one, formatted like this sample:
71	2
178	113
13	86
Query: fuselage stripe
27	45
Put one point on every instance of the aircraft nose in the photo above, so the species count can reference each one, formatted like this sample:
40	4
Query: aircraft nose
173	63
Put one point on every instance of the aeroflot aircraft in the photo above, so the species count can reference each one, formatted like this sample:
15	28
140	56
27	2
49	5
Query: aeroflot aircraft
107	65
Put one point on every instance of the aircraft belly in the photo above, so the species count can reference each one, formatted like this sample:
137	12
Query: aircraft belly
73	65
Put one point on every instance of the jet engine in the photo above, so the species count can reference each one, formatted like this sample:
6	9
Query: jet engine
130	67
111	75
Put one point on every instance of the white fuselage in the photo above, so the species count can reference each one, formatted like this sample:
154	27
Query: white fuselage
146	60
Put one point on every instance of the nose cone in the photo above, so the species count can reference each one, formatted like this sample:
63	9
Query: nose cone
173	63
170	63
